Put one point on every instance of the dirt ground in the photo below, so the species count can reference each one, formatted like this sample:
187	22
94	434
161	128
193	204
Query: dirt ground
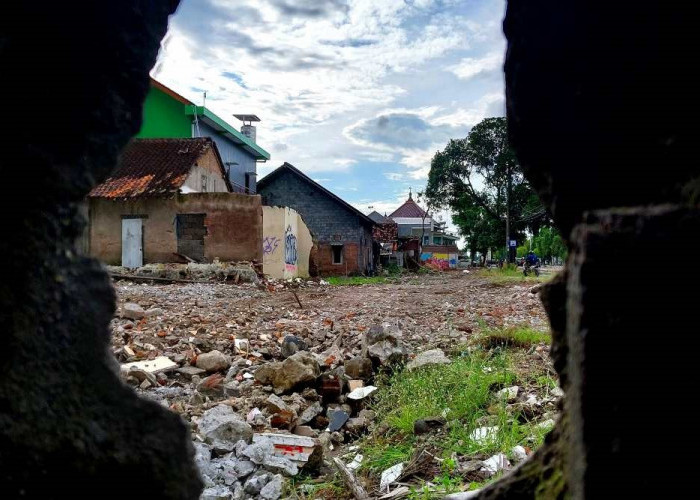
248	322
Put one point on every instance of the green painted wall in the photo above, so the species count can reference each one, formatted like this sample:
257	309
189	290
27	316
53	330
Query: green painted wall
164	116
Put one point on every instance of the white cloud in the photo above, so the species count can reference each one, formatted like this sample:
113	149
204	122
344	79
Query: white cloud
469	67
394	176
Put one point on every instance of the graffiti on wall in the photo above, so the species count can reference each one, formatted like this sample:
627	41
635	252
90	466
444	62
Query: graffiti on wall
270	244
290	249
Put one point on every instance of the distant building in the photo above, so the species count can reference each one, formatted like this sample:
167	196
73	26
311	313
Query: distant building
415	224
343	233
167	114
386	237
169	200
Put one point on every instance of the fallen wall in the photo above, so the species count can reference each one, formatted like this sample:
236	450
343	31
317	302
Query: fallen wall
233	225
286	243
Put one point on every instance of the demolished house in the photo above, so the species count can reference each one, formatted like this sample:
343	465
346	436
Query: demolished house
342	233
170	200
286	244
386	236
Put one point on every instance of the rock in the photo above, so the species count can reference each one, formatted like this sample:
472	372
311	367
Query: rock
425	425
387	352
337	420
291	345
132	311
202	456
284	419
258	451
432	357
280	465
355	384
518	453
359	368
509	394
275	404
273	489
190	371
223	470
310	413
362	392
213	361
217	493
557	392
356	425
546	425
299	368
244	468
222	424
256	482
375	334
305	430
154	311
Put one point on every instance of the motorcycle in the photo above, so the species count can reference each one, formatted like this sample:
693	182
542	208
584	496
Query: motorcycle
527	267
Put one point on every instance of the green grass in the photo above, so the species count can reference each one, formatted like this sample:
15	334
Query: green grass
307	488
521	336
512	274
356	280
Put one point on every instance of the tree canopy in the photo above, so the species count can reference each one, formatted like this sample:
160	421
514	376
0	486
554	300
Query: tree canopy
479	179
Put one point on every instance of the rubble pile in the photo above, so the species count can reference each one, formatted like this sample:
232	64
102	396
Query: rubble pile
270	379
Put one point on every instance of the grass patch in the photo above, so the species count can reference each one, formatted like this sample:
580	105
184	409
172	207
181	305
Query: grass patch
356	280
307	488
521	336
512	274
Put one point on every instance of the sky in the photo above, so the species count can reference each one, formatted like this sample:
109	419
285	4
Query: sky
358	94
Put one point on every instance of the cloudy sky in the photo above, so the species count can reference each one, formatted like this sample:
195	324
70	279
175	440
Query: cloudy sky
358	94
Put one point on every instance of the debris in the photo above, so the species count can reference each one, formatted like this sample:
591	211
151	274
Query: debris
297	369
495	464
484	435
432	357
275	404
362	392
216	493
132	311
390	475
427	424
190	371
546	425
337	420
518	453
356	462
557	392
305	430
310	413
222	425
298	301
359	368
304	451
400	492
273	489
355	384
154	366
255	483
213	361
509	394
291	345
350	481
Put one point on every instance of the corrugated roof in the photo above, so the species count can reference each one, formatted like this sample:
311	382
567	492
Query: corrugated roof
379	218
409	209
155	167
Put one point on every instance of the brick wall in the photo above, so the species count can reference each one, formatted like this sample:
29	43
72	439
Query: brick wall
328	221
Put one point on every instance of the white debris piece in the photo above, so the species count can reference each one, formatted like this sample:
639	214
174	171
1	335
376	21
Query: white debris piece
156	365
495	464
518	453
389	476
362	392
484	435
509	393
356	462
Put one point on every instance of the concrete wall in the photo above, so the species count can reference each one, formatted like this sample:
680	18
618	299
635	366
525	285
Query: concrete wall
233	223
231	152
328	221
286	243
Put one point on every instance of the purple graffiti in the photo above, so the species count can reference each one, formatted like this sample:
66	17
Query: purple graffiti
270	244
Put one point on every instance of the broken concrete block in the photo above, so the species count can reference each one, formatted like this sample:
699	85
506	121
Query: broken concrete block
432	357
291	345
221	423
275	404
273	489
217	493
355	384
154	366
132	311
190	371
303	451
297	369
257	482
213	361
509	394
362	392
359	368
337	420
310	413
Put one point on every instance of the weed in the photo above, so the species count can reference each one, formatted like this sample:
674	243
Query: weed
521	336
356	280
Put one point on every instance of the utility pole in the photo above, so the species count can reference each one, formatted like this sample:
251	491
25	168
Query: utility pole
508	186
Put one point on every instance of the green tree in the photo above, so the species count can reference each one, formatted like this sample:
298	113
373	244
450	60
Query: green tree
479	179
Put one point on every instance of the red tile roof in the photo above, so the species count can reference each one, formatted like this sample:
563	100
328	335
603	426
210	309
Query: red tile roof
408	209
154	167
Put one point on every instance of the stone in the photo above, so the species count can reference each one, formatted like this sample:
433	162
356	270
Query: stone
223	470
310	413
259	450
221	423
509	394
291	345
190	371
357	425
154	311
427	358
427	424
256	482
355	384
518	453
387	352
273	489
275	404
202	456
305	430
213	361
337	420
244	468
297	369
217	493
132	311
280	465
359	368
